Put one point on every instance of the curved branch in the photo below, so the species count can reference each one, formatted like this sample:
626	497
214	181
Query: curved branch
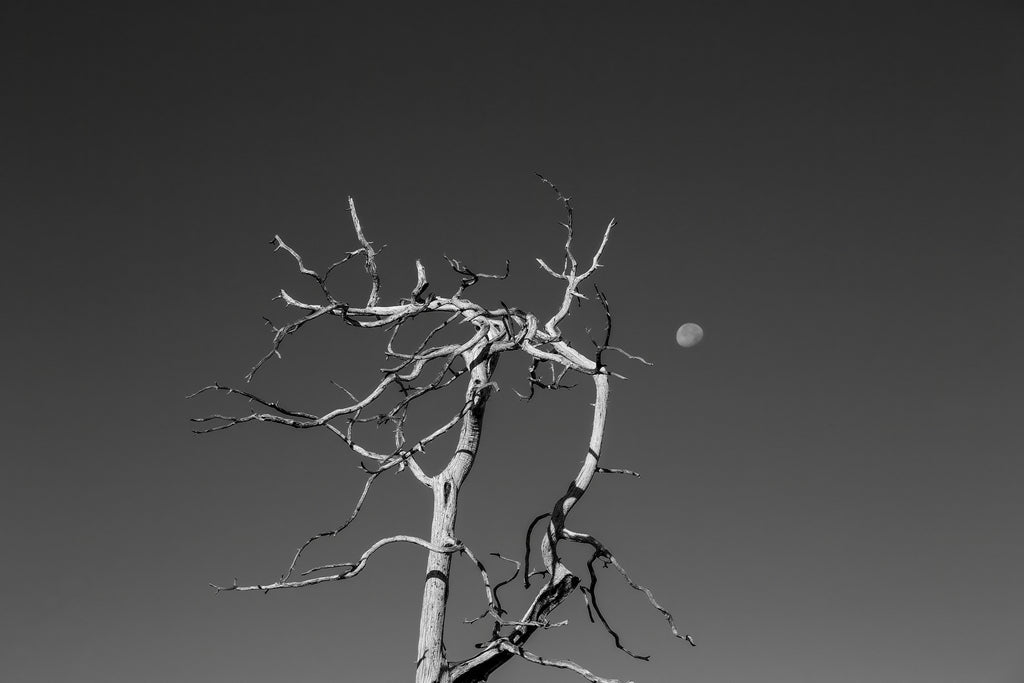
353	570
591	591
492	599
602	552
561	582
325	534
509	579
526	558
321	280
469	277
421	281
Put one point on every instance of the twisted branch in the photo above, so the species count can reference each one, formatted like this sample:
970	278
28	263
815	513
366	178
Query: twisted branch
496	331
602	552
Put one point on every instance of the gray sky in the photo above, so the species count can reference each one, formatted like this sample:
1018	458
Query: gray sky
831	480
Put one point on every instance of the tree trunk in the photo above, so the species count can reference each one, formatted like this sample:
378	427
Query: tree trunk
431	659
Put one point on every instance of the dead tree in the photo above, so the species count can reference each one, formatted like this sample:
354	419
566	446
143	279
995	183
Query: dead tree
497	331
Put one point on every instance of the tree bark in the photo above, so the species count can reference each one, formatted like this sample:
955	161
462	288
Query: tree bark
431	659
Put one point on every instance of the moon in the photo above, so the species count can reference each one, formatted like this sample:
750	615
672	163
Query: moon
689	335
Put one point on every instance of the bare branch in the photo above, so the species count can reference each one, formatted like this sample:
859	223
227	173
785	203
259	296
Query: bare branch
492	600
591	591
421	281
371	263
509	579
570	261
348	255
573	280
526	559
604	346
308	421
495	610
596	262
654	603
469	277
420	446
549	271
500	621
602	552
629	355
353	570
280	333
280	244
415	355
570	665
497	331
615	470
326	534
304	421
350	394
269	404
321	280
608	326
535	382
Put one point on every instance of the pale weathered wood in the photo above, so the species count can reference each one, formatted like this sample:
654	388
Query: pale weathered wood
495	331
431	660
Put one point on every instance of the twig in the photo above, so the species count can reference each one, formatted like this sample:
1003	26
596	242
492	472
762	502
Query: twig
325	534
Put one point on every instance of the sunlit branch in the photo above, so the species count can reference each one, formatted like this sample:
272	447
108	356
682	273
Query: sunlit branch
321	280
353	569
629	355
371	263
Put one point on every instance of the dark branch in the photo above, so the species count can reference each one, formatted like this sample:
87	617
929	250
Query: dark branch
526	559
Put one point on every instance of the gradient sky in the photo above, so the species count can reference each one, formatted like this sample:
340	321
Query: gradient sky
832	480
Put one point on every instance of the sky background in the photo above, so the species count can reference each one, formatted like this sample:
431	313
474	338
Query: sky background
832	480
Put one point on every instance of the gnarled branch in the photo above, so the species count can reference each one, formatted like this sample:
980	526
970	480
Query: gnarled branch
495	332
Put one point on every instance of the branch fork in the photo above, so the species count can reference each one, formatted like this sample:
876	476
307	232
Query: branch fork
495	331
